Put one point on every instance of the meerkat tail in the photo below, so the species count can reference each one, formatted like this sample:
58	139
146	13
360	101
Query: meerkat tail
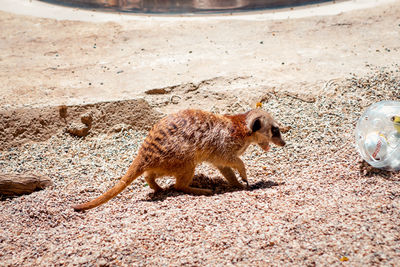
133	172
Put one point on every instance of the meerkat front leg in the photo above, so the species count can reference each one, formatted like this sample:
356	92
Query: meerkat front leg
228	173
238	164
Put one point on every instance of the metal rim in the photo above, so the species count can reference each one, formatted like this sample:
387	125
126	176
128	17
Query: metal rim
183	6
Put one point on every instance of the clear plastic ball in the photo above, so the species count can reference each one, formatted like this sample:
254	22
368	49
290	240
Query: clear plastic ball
378	135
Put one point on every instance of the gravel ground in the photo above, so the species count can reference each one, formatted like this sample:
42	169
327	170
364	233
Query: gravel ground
309	203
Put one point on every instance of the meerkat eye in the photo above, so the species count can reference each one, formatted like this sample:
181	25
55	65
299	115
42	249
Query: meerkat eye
275	131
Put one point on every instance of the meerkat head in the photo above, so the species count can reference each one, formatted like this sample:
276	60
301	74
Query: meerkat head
264	129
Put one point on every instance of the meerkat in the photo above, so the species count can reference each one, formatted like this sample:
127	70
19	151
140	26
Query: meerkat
179	142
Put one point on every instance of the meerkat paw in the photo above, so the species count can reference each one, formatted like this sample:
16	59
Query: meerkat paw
237	185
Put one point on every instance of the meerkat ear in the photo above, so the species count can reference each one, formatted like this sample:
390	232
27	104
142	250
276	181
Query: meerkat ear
255	125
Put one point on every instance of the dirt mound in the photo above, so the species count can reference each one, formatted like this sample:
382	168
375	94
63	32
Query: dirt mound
39	124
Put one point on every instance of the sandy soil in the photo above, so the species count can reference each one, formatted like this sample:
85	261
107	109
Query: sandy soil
48	62
309	203
24	125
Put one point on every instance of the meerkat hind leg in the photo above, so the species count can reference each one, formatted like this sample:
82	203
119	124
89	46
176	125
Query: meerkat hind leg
230	176
151	181
183	182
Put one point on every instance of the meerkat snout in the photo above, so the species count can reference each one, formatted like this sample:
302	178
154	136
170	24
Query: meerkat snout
276	136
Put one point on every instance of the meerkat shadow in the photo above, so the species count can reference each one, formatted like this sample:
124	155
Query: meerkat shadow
217	184
220	186
6	197
263	185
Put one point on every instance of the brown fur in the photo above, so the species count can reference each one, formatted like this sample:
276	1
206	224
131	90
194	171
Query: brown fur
179	142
